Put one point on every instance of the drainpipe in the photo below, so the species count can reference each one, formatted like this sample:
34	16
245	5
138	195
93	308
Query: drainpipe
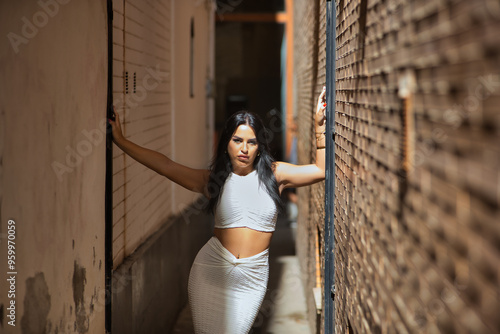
329	275
108	199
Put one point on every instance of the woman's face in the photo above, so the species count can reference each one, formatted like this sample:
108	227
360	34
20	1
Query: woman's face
243	149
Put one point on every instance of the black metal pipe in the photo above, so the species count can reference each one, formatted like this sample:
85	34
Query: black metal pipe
329	274
108	197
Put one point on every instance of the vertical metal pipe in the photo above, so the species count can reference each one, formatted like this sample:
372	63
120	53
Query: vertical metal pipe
329	293
108	205
288	77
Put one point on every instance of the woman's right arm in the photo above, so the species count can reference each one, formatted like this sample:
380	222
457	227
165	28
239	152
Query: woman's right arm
192	179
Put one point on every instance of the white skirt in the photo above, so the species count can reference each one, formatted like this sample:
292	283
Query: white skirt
225	293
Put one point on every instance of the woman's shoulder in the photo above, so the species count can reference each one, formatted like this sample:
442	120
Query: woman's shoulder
284	170
279	166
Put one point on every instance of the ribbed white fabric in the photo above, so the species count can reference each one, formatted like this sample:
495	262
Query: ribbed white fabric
225	293
244	202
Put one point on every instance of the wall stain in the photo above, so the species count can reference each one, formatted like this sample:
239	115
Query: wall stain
94	300
91	306
36	305
62	321
79	279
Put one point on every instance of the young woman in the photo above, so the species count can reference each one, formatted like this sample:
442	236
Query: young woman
228	279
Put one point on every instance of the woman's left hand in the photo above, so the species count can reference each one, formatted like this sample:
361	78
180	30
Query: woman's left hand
321	109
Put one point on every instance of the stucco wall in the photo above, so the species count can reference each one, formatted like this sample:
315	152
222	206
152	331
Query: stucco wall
53	71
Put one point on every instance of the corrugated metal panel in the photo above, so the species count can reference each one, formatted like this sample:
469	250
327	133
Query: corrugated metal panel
141	66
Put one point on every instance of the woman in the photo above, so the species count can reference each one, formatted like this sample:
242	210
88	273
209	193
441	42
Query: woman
228	278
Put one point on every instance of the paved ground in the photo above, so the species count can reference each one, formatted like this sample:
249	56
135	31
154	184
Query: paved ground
284	308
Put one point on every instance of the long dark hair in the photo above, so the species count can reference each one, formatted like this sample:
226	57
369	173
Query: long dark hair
221	165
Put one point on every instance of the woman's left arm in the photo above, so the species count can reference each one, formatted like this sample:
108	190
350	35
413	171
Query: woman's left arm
289	175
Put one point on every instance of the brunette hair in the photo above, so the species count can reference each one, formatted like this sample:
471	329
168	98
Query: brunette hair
264	163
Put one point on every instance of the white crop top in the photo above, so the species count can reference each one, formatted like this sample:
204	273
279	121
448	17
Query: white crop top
244	202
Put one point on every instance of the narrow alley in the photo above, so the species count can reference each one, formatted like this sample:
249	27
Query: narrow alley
383	115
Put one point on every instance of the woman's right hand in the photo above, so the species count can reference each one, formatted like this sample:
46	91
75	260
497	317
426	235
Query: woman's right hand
116	127
320	116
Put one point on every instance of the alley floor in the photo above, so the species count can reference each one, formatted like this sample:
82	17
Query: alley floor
284	308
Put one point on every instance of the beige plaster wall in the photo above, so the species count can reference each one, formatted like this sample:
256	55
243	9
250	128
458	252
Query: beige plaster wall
53	79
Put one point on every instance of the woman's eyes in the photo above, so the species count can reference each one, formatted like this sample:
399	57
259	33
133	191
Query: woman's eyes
250	142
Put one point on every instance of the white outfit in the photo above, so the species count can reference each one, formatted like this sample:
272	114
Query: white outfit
225	293
246	203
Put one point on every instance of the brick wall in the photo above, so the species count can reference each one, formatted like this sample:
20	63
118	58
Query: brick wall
417	165
309	77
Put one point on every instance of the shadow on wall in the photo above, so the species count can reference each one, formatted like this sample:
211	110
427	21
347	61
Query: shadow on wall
150	287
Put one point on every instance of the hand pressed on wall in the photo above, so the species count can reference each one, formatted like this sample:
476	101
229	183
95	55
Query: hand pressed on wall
116	127
321	109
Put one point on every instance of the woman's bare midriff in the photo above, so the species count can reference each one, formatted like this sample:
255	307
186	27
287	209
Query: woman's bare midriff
242	241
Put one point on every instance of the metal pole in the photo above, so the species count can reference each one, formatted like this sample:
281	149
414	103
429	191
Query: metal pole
108	197
329	293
